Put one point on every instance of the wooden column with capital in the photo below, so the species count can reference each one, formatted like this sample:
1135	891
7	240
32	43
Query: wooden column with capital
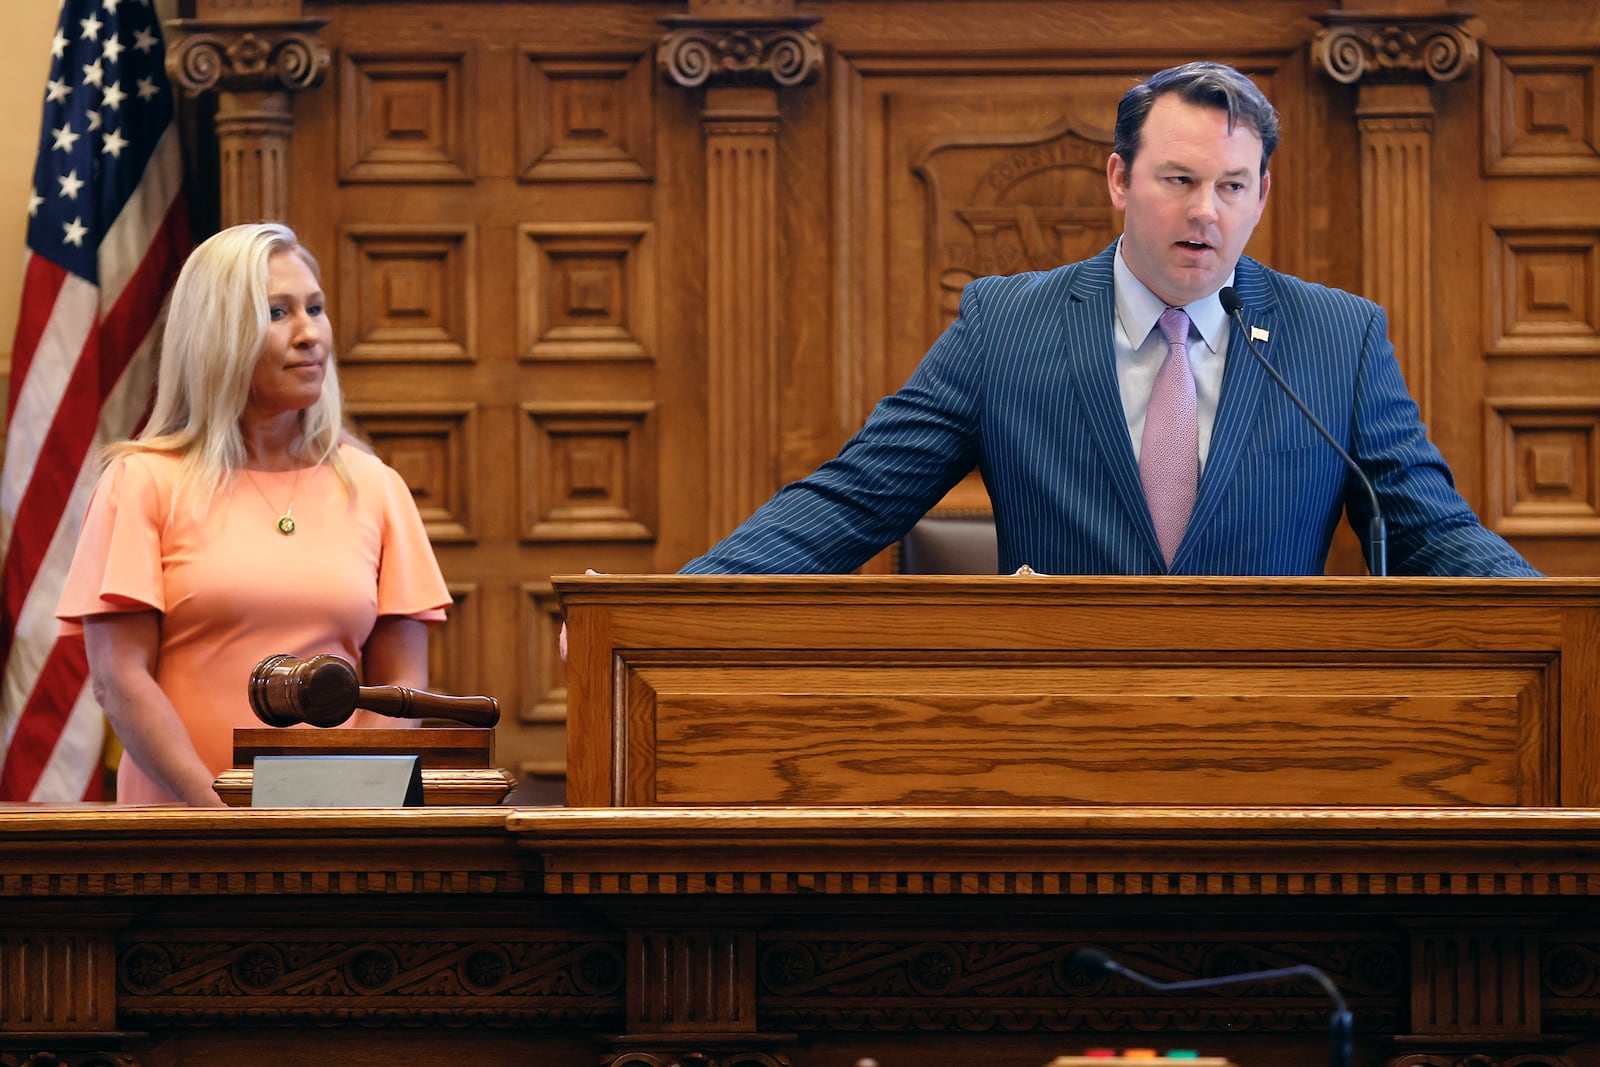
742	54
252	53
1394	60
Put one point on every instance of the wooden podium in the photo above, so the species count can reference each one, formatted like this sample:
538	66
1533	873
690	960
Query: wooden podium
1064	691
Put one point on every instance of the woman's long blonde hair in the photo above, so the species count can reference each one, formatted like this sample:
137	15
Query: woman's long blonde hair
217	322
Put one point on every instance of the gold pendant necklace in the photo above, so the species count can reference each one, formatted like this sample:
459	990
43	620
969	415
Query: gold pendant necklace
286	520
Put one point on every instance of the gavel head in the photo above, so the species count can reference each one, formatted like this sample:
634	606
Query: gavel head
285	691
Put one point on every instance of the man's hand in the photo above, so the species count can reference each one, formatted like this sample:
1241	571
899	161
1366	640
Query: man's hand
591	572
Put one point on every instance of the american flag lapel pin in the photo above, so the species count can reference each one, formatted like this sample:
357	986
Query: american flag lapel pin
1258	334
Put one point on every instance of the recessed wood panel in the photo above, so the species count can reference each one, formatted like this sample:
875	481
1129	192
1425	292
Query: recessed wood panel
434	448
585	118
1542	292
589	472
1020	731
409	293
455	649
1541	114
1544	467
587	291
544	676
405	117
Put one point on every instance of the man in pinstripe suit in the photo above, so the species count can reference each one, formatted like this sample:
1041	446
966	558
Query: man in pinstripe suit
1044	380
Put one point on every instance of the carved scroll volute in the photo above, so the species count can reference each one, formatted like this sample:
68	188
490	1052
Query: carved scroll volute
1393	61
1353	48
763	42
741	53
252	64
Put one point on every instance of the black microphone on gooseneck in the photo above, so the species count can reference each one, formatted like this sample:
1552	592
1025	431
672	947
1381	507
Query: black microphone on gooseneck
1341	1026
1377	535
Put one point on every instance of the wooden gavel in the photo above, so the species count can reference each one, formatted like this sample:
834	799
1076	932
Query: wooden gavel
322	691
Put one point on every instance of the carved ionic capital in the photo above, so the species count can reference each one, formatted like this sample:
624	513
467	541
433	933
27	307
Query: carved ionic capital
780	51
208	56
1352	48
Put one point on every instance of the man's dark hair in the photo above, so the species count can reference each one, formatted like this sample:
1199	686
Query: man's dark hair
1207	84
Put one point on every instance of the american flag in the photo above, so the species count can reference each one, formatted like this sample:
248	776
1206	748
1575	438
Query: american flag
108	229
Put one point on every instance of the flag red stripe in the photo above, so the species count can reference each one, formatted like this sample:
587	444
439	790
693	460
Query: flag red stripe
41	284
139	305
60	681
106	354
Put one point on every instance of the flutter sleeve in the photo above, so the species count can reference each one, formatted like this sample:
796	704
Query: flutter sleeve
117	564
409	580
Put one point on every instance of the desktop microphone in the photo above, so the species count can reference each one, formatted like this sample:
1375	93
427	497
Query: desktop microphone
1341	1026
1377	536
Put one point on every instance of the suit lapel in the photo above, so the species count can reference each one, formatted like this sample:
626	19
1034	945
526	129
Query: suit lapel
1240	401
1088	323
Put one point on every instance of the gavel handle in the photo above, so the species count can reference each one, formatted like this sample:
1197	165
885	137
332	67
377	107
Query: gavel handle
398	702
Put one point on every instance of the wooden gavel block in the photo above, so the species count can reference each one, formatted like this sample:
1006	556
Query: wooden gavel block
323	691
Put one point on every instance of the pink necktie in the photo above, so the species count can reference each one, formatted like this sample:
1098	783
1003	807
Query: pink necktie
1169	454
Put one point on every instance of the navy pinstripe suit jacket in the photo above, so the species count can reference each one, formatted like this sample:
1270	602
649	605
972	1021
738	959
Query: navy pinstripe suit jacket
1024	386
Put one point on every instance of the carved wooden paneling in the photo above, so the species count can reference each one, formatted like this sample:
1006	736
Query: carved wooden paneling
1396	123
692	981
543	678
1569	970
407	117
741	145
455	649
585	118
546	680
57	980
1544	466
814	980
1542	291
1503	1001
408	293
434	447
552	977
587	291
752	729
1542	113
587	472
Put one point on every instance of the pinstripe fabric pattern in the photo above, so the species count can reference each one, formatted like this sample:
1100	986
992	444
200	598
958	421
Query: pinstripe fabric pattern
1023	386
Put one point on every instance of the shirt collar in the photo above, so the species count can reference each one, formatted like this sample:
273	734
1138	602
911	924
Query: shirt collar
1139	308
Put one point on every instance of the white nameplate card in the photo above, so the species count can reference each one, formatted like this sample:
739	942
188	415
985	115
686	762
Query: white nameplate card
336	782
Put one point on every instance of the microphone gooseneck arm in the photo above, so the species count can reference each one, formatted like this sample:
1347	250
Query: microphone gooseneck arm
1341	1025
1377	534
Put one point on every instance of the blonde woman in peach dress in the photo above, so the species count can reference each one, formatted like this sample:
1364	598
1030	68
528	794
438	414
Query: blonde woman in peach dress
243	521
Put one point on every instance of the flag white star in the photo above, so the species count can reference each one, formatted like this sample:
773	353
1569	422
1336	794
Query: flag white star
65	138
113	96
110	5
112	49
94	121
143	41
58	46
94	73
113	144
75	232
91	28
147	88
56	92
70	184
34	200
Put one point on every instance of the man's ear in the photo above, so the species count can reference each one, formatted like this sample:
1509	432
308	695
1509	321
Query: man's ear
1117	180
